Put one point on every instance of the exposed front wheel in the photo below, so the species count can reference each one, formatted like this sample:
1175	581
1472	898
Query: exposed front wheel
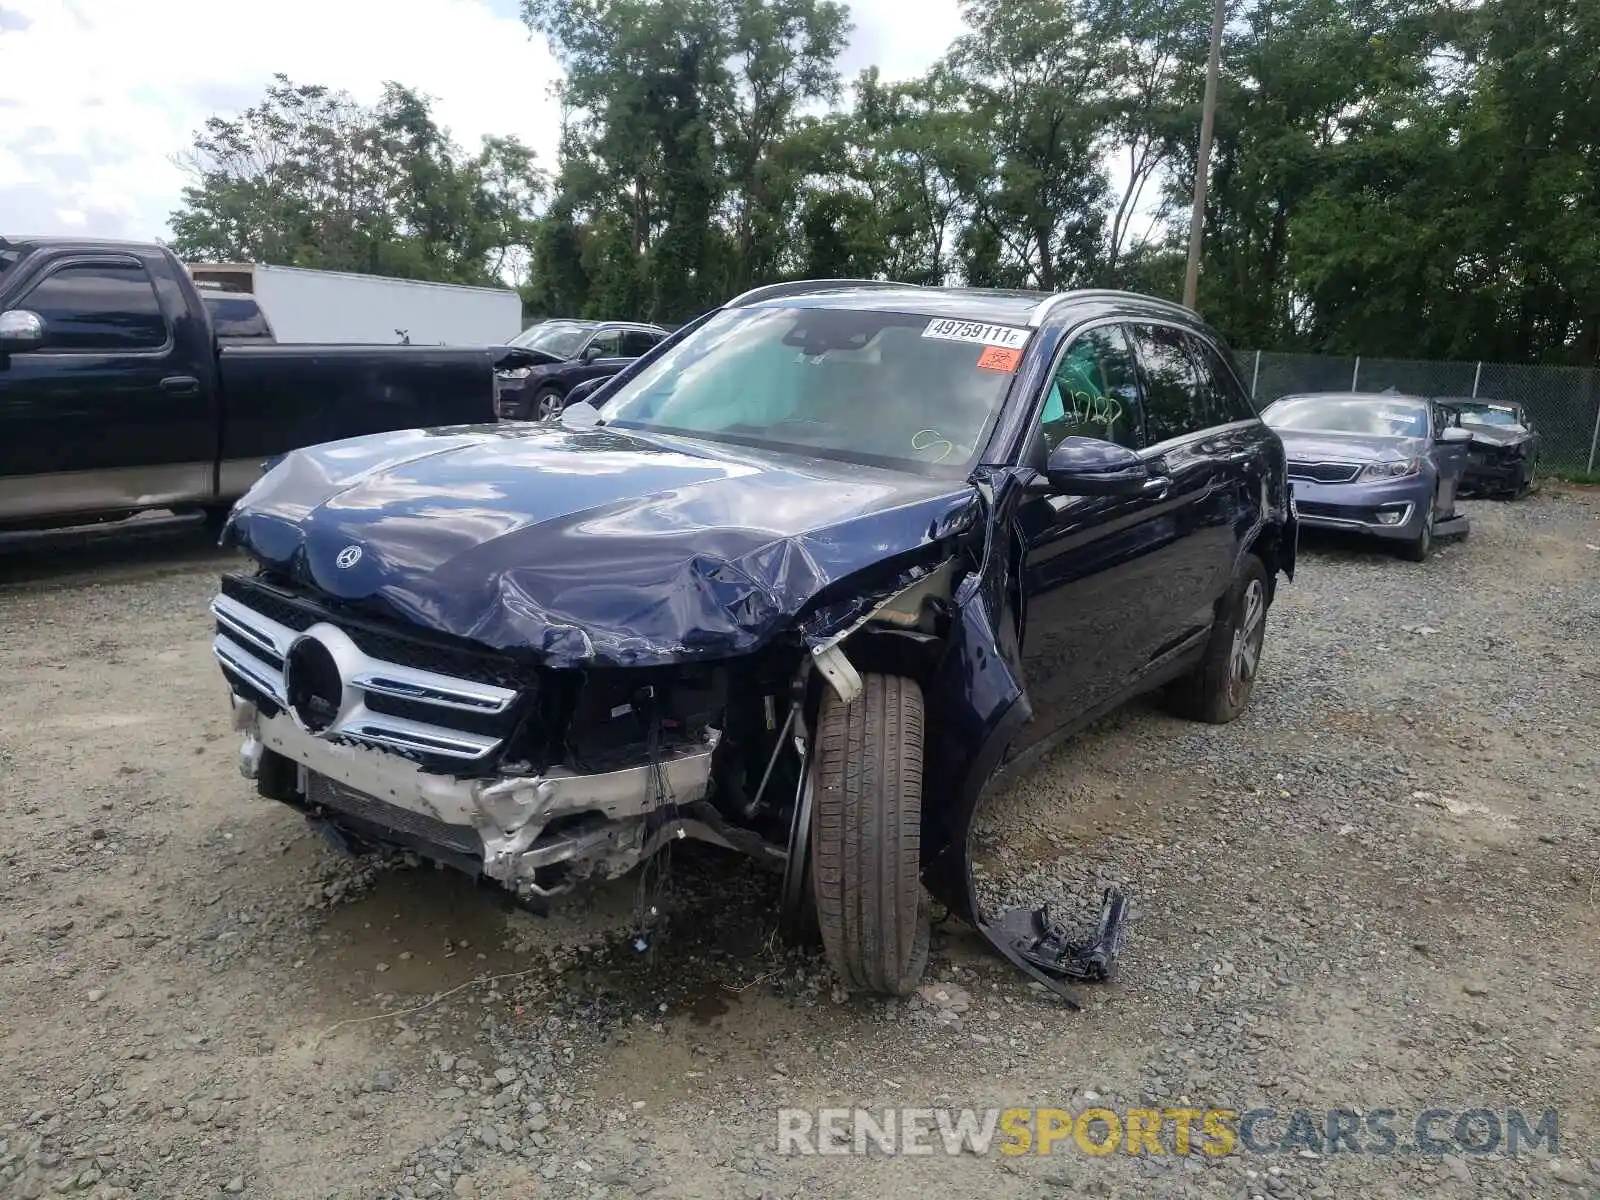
1219	688
546	404
866	835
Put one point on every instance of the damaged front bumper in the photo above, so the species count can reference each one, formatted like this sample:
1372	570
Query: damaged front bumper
1494	469
537	835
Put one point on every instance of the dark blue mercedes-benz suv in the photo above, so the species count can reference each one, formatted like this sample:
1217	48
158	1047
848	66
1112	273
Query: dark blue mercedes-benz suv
801	581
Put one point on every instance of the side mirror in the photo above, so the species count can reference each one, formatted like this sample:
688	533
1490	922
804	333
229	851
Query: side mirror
20	330
1455	433
590	353
1082	466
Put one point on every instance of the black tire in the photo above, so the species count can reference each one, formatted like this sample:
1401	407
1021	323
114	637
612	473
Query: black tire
1220	686
866	836
1418	549
214	517
547	403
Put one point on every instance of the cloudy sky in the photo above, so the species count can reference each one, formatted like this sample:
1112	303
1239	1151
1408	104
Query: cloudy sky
97	95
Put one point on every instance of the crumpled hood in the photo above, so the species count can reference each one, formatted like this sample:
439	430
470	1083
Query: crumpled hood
597	546
1496	435
1305	446
509	358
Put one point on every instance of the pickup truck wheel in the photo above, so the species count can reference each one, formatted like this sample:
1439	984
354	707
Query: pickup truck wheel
546	404
866	836
214	517
1220	686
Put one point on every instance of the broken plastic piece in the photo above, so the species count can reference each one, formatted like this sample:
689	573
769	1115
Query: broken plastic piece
1039	940
839	671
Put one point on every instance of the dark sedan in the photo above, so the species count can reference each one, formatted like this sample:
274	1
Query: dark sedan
1504	452
1383	465
578	351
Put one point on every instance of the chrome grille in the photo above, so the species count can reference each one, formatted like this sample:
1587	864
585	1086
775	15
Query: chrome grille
439	715
1324	472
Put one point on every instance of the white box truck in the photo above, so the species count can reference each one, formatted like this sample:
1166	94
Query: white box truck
337	306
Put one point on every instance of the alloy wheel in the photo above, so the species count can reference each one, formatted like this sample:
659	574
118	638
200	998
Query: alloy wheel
1248	635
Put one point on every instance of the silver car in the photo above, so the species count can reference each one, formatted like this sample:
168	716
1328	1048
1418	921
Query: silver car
1384	465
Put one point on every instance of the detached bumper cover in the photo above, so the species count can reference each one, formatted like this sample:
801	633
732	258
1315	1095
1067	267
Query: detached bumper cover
1042	943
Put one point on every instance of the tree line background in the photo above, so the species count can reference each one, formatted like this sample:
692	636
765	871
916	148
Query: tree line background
1406	178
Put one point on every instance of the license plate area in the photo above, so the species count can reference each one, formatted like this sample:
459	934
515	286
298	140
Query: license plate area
338	799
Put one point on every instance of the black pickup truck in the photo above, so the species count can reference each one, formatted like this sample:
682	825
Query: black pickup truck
116	398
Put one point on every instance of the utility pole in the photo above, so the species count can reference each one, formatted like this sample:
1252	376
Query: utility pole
1208	121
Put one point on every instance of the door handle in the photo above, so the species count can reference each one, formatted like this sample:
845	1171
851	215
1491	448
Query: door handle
180	385
1157	486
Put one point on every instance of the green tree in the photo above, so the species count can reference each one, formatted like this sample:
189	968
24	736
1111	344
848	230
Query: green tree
1034	80
310	178
685	134
1390	177
1154	52
1305	79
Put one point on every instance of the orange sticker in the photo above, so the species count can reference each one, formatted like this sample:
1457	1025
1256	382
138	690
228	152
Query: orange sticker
999	358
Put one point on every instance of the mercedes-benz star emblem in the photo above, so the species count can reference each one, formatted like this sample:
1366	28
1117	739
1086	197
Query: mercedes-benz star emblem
348	557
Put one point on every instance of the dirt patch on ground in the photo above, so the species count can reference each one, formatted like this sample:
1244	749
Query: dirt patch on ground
1378	889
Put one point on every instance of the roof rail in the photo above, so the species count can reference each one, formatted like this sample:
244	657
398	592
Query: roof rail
799	287
1044	308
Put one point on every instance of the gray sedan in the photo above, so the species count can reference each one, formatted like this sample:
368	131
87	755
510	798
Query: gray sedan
1382	465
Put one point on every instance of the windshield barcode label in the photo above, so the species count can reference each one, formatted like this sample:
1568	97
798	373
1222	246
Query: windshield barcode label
947	330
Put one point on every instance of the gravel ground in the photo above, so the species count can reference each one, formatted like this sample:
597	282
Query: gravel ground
1378	889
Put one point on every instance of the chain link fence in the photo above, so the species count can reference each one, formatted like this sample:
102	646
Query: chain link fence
1563	403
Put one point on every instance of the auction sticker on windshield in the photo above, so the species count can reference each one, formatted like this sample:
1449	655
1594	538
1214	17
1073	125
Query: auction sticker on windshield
998	358
948	330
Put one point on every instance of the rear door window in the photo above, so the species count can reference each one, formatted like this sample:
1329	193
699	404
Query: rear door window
637	341
1174	404
108	306
1223	398
1094	391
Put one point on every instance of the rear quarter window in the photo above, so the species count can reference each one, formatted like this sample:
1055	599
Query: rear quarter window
236	317
1223	398
637	341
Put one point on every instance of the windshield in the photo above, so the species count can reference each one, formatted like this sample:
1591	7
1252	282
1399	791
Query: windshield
892	389
1377	417
1483	414
561	338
